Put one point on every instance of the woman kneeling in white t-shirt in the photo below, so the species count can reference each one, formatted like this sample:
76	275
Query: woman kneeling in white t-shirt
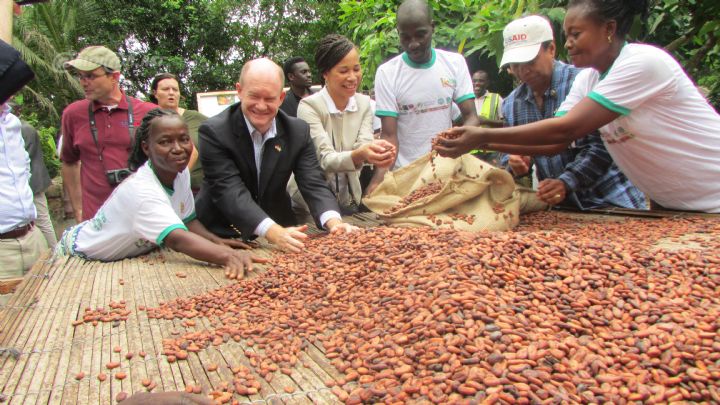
154	206
654	122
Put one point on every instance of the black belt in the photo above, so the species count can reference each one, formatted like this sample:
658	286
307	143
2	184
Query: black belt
18	232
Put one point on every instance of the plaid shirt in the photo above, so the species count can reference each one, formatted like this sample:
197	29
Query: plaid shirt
592	178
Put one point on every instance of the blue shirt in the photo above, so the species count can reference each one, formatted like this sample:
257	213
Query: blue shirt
16	197
592	178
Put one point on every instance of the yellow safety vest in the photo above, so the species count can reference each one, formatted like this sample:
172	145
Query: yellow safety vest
489	106
488	111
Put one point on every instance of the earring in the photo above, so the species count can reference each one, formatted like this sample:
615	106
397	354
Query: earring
609	39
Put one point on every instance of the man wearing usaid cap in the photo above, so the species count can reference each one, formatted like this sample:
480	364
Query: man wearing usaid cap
523	38
583	175
97	131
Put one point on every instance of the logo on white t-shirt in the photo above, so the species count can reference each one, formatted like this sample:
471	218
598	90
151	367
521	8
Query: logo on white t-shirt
448	82
425	106
619	135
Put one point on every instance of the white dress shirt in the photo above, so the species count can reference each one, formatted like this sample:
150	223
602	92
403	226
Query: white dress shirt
16	197
259	141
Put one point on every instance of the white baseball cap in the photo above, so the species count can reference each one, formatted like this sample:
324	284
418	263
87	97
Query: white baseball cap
522	39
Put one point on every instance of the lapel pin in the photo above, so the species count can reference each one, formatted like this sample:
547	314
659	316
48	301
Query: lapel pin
278	148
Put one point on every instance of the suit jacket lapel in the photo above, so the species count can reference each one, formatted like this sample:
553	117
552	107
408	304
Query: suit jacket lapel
273	151
244	141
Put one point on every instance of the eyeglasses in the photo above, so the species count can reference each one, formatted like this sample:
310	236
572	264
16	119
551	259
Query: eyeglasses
88	76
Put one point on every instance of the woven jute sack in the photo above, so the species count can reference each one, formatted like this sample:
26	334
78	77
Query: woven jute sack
473	195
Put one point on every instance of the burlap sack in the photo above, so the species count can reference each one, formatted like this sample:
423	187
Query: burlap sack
474	195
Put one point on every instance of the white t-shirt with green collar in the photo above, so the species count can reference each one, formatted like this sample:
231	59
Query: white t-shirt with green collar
135	219
667	137
420	96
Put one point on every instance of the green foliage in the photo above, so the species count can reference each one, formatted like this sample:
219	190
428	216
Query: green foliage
47	137
472	27
371	25
206	42
203	42
190	38
47	141
690	30
47	35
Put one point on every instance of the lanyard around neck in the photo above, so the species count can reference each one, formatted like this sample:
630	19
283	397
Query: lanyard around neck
94	131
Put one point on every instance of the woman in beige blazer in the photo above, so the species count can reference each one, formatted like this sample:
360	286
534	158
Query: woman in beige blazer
340	122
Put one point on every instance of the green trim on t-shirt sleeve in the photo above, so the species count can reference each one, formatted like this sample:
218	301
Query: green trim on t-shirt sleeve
600	99
382	113
161	239
560	113
465	97
190	218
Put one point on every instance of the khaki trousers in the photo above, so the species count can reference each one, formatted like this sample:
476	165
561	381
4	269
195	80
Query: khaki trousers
17	256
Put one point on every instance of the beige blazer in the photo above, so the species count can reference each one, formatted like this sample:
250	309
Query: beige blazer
335	137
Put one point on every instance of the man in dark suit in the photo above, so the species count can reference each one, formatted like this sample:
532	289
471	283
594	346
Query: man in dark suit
248	153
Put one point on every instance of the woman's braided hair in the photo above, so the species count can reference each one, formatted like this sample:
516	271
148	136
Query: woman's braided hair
142	133
330	51
622	11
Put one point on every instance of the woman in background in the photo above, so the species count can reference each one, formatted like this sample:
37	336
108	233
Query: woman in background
165	92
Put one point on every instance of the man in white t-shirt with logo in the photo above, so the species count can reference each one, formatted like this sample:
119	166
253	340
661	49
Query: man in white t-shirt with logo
415	91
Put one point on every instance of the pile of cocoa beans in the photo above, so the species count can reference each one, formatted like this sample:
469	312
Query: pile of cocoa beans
556	311
117	312
417	194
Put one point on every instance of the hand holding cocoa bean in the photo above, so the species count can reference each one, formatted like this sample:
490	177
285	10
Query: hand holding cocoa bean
380	153
457	141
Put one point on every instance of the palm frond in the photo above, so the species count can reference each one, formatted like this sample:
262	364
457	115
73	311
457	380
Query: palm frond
43	101
31	57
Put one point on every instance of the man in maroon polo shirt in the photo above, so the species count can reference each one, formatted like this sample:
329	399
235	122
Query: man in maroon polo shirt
98	131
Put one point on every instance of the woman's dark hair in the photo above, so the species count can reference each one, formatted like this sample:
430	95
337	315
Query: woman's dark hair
622	11
330	51
142	133
156	81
